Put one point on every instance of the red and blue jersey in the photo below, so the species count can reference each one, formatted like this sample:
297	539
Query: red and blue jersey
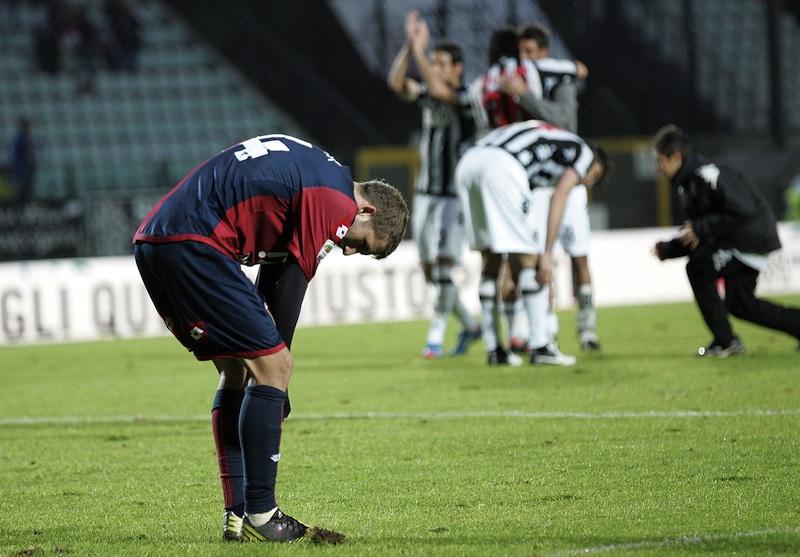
259	200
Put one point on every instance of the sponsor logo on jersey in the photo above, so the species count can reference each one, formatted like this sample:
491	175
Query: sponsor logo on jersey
341	232
325	250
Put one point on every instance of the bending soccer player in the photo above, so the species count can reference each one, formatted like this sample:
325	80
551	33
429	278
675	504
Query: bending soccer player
272	198
505	184
556	101
730	231
449	116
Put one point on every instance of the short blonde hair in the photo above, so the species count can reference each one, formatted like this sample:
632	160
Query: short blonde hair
391	213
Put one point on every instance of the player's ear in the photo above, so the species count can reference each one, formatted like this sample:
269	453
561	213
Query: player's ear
366	208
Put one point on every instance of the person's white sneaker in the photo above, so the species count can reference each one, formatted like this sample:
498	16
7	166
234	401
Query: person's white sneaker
550	354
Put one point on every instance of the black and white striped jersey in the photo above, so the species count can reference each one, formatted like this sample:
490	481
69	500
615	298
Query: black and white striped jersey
544	150
554	72
447	131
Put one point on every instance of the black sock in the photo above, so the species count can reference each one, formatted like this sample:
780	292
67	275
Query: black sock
260	423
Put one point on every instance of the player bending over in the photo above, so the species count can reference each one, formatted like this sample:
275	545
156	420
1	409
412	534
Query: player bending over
275	200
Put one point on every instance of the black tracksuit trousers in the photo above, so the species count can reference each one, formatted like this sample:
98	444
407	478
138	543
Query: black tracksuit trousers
740	300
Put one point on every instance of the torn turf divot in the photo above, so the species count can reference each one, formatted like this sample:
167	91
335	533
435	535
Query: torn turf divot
321	535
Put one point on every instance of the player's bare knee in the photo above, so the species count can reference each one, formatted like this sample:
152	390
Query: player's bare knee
274	370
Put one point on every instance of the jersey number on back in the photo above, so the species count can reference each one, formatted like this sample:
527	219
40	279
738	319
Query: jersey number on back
256	147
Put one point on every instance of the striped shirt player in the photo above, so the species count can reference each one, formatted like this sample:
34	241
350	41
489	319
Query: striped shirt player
450	118
536	154
268	199
447	131
505	183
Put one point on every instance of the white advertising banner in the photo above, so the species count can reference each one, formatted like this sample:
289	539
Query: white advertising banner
84	299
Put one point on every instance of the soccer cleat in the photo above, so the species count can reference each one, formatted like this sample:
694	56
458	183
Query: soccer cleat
466	338
432	351
231	526
550	354
502	357
717	350
589	341
280	528
519	345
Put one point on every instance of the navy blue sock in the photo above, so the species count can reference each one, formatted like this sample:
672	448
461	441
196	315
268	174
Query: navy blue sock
225	428
260	433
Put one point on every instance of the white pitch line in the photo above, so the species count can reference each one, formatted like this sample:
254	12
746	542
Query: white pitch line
694	539
518	414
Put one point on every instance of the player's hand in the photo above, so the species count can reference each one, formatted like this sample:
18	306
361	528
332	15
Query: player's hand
656	252
423	34
544	275
512	85
687	236
412	18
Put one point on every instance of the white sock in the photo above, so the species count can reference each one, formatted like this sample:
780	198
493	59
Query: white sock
259	519
487	290
552	324
446	294
509	307
467	321
587	316
535	298
520	328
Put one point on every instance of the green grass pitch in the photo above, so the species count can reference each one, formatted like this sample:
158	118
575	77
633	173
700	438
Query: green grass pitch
642	449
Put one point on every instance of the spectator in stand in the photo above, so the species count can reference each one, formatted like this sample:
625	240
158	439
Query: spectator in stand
23	161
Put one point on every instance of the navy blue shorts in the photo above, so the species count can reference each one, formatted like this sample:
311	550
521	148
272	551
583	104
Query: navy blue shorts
206	301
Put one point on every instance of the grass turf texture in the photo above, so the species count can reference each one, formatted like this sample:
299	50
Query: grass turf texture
461	459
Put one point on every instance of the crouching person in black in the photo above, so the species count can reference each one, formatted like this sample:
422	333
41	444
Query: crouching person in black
730	231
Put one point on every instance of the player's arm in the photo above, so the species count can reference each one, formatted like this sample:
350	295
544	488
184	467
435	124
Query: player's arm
562	111
284	286
398	80
569	179
437	88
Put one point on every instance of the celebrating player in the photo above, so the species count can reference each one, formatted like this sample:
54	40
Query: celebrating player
505	185
730	231
449	116
272	198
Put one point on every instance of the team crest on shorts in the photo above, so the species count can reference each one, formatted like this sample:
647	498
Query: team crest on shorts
197	330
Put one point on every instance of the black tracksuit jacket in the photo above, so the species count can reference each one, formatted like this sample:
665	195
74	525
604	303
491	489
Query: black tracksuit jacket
726	211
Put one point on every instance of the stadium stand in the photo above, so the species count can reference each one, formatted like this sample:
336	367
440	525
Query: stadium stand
135	130
378	32
721	46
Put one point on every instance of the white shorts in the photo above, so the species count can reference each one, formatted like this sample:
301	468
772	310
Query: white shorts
497	200
437	225
575	233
